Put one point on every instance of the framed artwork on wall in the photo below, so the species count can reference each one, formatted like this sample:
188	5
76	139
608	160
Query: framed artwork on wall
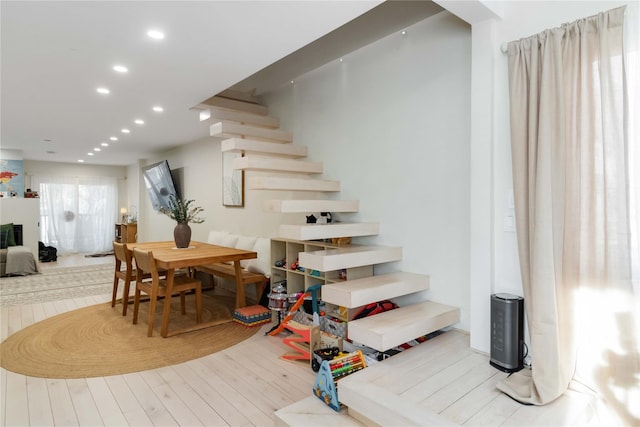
12	178
232	181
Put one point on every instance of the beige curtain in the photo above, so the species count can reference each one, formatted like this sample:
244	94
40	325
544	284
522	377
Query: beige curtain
571	170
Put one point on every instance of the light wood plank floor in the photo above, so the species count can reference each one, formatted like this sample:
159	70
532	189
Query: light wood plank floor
240	386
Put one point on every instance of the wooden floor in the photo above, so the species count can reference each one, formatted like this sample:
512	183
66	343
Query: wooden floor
240	386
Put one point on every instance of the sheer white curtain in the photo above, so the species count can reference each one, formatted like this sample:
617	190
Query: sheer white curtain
574	154
77	214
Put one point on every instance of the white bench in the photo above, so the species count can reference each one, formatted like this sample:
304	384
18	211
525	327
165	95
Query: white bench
254	271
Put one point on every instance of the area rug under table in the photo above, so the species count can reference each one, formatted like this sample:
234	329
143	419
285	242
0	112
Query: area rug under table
98	341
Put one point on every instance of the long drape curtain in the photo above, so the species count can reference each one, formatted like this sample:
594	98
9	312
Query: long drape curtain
77	214
574	142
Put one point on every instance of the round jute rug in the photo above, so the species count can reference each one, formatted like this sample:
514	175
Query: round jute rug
98	341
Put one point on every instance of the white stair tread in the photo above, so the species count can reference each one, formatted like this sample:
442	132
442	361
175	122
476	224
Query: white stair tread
311	412
291	206
291	184
394	327
228	129
367	392
274	164
216	114
238	105
239	95
327	231
358	292
239	145
348	257
377	406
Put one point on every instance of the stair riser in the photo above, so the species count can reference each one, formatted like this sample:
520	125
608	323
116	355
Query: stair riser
218	114
321	262
414	326
239	145
231	129
356	293
291	184
306	206
274	164
234	104
327	231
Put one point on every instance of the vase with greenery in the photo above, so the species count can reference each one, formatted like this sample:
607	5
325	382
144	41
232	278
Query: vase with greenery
183	212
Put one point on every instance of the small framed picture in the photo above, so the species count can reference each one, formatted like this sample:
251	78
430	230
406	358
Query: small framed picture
232	181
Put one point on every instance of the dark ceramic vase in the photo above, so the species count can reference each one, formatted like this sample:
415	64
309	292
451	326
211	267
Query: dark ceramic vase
182	235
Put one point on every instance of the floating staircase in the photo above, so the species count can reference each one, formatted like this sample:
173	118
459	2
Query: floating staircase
252	146
355	293
274	164
229	129
267	148
299	206
292	184
327	231
348	257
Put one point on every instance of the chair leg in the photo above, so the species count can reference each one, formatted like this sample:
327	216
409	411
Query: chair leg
183	308
125	294
152	312
136	303
115	290
125	298
199	304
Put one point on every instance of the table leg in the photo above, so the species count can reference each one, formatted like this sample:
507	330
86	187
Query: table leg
240	298
167	302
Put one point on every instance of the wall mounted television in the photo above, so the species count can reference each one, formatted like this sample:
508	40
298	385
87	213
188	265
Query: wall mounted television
160	184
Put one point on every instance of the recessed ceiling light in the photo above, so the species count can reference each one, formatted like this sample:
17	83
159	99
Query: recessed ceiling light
139	121
113	138
89	153
403	32
80	161
120	68
205	115
158	109
96	149
104	144
155	34
103	90
125	130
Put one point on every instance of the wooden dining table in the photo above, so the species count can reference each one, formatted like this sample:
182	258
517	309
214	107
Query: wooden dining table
170	258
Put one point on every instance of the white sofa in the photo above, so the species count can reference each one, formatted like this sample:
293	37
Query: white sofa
256	271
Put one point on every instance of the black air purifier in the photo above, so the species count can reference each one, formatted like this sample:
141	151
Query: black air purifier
507	332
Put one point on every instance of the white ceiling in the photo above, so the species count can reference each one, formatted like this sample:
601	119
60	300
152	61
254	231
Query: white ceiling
55	54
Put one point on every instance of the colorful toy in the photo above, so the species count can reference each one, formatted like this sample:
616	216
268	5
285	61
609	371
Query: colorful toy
254	315
323	354
331	371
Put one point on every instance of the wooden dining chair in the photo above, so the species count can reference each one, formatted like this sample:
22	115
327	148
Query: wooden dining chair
156	288
127	275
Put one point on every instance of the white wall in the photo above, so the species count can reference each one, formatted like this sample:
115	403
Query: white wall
34	167
391	122
494	257
200	165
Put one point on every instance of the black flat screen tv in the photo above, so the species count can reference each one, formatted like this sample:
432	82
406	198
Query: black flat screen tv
160	185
